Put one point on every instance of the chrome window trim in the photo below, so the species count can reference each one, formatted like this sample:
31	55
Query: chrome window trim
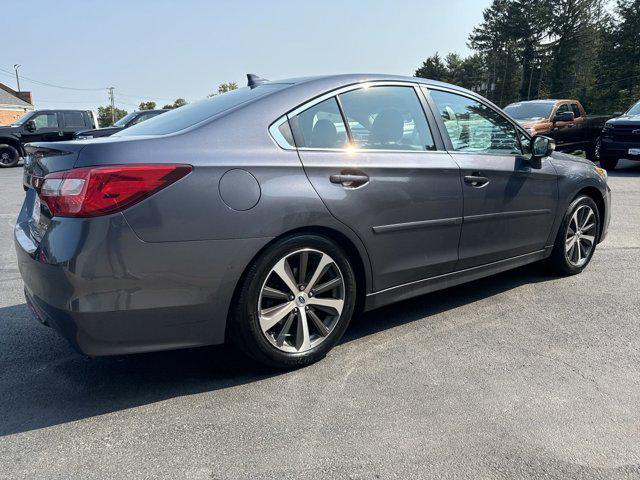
348	88
366	150
274	130
338	91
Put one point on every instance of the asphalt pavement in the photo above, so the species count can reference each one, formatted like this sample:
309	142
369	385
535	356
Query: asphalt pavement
519	375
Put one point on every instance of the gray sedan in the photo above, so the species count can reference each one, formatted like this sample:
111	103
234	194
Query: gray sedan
269	216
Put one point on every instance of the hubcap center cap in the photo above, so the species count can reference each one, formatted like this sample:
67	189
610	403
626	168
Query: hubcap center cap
302	299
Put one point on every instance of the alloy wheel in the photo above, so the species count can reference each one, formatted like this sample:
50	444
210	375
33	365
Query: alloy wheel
581	236
301	300
5	157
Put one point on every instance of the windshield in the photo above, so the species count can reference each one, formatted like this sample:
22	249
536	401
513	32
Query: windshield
197	112
22	119
529	111
635	110
123	121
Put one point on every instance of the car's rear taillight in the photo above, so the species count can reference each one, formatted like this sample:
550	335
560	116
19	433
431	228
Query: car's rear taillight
94	191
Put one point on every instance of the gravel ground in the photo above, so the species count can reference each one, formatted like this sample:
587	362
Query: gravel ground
515	376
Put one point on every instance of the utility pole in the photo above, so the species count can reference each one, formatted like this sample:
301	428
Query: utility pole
113	111
16	67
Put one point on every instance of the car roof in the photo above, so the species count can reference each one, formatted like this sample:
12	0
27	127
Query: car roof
352	78
59	110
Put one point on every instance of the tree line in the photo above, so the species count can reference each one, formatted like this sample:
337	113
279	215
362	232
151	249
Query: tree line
522	50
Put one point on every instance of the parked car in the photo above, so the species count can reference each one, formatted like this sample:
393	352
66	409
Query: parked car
563	120
41	126
621	138
127	121
258	217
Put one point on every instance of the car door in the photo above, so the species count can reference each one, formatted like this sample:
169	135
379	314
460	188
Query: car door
385	176
562	132
47	128
509	206
72	122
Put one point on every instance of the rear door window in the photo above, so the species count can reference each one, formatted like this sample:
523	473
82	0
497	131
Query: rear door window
320	126
575	109
73	119
386	118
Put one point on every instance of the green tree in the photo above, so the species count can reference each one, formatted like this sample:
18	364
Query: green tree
571	30
433	68
179	102
224	88
147	106
105	118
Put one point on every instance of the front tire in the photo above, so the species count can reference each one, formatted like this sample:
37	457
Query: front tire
577	238
9	156
593	151
295	302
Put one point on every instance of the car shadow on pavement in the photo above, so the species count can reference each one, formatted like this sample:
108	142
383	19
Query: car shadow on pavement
626	168
43	382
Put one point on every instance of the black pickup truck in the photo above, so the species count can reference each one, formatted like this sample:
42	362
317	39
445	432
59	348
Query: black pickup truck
127	121
621	138
41	126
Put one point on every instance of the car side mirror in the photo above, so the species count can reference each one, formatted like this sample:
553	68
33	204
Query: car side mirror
540	147
564	117
30	126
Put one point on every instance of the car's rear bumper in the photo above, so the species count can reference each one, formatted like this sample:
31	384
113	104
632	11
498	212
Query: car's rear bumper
108	292
611	148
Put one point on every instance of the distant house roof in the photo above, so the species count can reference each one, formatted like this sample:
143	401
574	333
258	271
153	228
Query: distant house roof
10	98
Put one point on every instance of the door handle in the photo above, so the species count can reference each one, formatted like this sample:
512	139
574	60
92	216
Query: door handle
476	180
350	180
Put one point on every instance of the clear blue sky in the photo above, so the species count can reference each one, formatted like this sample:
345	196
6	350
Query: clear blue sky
160	50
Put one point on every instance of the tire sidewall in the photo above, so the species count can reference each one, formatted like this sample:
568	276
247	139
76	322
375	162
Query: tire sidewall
248	320
14	154
560	256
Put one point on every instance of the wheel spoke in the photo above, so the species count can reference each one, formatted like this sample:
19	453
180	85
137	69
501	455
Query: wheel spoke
579	249
588	238
302	272
283	270
334	304
303	341
588	217
269	292
570	243
271	316
330	285
285	329
586	228
324	263
321	327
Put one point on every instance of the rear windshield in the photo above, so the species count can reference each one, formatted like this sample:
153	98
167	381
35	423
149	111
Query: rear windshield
529	111
196	112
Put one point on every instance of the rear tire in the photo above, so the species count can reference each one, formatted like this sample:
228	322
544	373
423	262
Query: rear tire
289	316
608	163
9	156
577	237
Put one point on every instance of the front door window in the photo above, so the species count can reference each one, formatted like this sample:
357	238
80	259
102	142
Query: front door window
474	127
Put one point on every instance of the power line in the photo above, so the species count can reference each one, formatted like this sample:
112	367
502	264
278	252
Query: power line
46	84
